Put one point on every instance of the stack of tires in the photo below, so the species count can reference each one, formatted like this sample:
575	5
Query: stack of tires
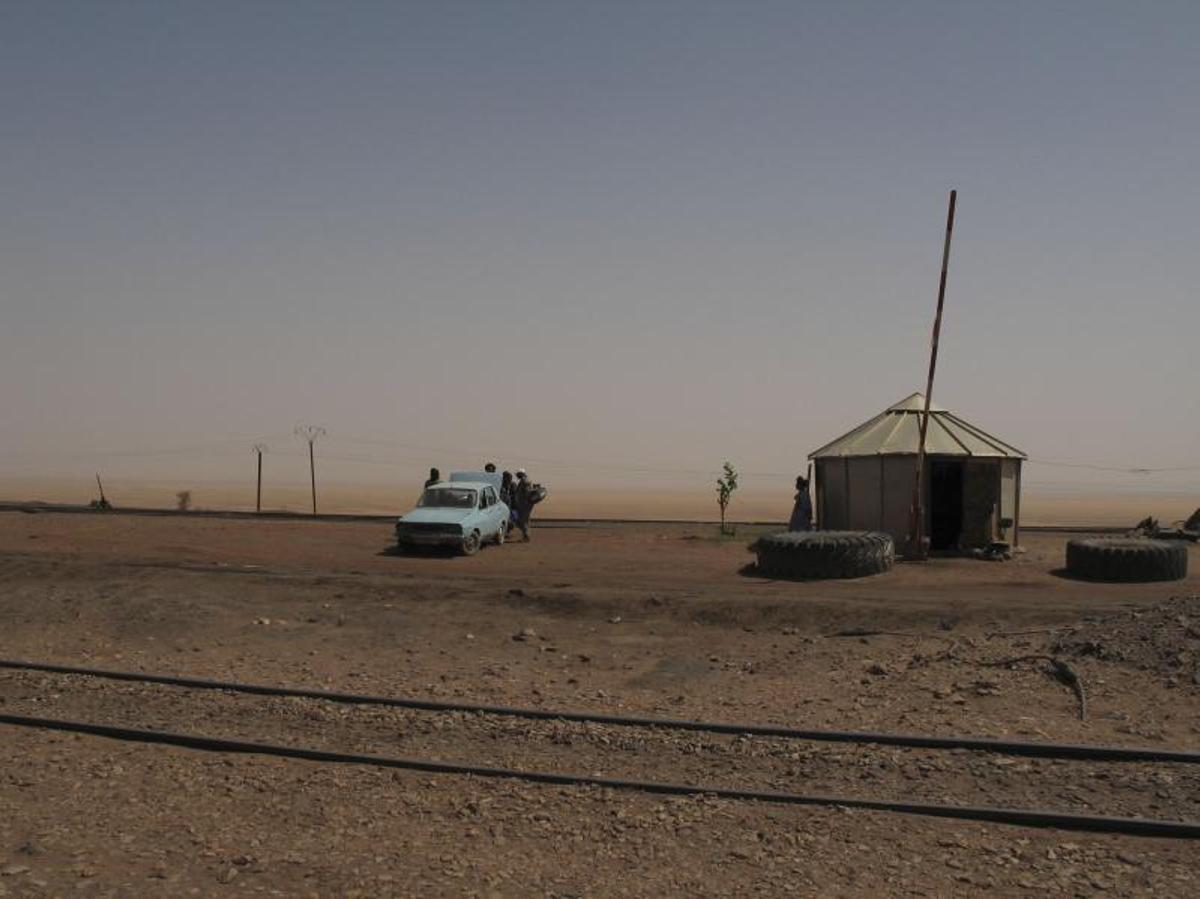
813	555
1126	559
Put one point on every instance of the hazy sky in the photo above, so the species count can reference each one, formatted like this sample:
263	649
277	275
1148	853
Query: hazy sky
645	234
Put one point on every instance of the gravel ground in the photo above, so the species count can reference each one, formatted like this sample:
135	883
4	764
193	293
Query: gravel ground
960	777
320	607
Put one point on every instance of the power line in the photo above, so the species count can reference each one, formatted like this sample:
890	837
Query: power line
1125	469
419	453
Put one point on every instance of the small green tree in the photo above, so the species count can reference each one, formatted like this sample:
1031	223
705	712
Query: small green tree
725	487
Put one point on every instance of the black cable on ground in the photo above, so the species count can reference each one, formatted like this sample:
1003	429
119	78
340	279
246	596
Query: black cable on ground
1082	752
1142	827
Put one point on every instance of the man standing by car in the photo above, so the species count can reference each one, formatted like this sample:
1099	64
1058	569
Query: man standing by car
523	501
434	477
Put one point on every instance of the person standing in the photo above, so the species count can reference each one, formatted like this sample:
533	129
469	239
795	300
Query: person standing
434	477
506	489
523	502
802	510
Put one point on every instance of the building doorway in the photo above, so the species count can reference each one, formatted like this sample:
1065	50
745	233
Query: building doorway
945	504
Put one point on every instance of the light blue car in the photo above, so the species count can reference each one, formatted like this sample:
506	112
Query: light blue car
464	513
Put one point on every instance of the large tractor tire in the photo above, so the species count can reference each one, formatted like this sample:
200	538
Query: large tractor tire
814	555
1126	559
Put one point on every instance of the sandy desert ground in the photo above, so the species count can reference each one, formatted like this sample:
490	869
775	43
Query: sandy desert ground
639	499
647	619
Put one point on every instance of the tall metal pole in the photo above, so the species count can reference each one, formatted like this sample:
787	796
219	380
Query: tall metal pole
917	544
310	433
259	449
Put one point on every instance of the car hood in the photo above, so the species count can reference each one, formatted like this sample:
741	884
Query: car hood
437	516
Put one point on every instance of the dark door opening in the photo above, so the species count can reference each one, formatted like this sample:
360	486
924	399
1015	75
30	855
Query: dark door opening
945	504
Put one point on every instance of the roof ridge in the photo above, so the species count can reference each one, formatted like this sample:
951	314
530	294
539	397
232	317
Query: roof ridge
892	433
914	402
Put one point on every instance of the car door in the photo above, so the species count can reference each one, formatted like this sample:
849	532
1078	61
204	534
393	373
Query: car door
488	526
499	510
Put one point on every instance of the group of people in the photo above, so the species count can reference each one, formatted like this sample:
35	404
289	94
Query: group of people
520	495
516	491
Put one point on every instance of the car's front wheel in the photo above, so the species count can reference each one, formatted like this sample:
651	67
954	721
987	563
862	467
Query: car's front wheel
470	544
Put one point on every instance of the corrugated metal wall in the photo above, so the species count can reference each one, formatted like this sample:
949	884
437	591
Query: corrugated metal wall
874	493
835	510
866	494
1008	495
899	472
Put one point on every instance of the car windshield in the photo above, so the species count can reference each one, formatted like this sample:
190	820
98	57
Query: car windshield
447	498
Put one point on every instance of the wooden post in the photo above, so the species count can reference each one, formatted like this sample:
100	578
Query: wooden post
1016	539
312	469
310	433
259	449
916	548
811	489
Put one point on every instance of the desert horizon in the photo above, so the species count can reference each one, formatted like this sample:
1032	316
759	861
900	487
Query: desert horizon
294	257
1064	505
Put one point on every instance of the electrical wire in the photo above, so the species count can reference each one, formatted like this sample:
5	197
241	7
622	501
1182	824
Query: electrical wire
419	454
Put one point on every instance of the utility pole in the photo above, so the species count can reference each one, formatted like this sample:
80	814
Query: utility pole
259	449
310	433
917	548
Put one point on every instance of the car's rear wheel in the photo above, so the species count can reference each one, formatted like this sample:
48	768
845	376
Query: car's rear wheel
470	544
502	534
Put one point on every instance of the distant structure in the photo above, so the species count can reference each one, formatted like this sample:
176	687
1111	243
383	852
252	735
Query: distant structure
309	434
972	480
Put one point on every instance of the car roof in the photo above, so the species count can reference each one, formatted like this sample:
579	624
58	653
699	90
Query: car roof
494	478
466	485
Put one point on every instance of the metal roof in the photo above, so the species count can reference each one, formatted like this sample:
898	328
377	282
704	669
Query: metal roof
897	432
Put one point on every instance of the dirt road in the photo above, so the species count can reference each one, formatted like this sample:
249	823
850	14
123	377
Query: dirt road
648	619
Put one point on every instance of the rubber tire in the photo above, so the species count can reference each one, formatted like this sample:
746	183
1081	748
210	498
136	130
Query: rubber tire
470	544
818	555
502	534
1126	559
